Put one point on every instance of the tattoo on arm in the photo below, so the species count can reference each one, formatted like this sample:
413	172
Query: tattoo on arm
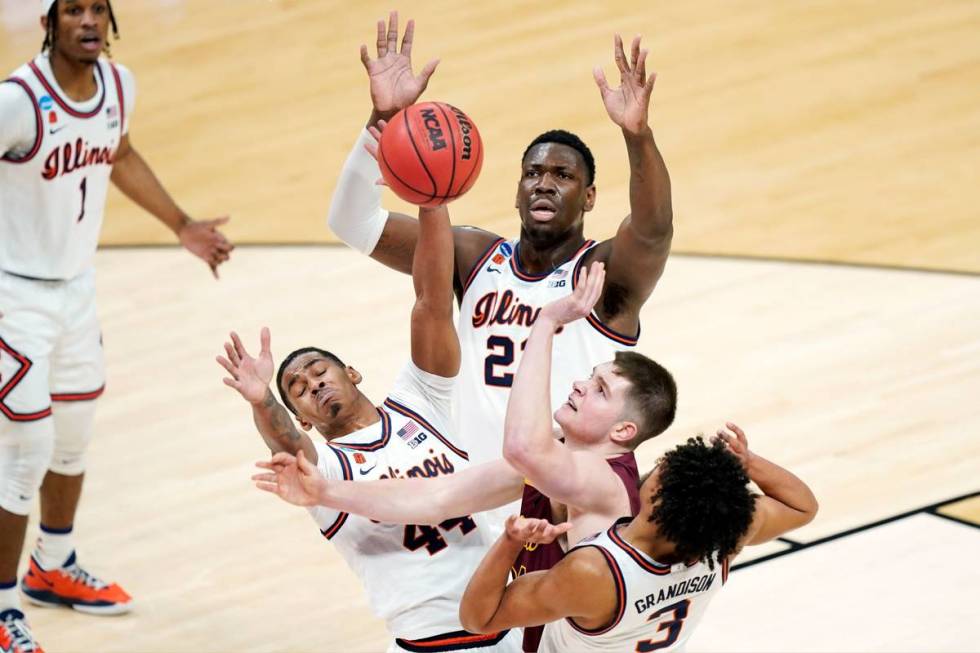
279	420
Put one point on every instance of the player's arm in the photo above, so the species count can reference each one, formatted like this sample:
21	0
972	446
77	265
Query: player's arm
133	176
580	586
394	500
18	120
787	504
251	377
435	346
636	256
579	479
356	214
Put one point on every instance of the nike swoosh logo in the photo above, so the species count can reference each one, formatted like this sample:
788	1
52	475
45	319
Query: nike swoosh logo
57	129
367	471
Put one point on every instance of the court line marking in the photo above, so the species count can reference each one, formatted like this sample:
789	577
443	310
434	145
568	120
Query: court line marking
931	509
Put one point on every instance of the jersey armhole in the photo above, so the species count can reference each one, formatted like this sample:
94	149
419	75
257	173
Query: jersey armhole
594	321
617	575
38	121
345	468
121	97
479	265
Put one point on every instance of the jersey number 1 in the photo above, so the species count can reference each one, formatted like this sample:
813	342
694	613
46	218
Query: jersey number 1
84	189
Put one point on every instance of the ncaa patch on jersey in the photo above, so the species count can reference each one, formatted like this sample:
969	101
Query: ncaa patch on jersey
45	102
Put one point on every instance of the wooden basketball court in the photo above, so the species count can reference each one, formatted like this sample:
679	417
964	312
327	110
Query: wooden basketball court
799	136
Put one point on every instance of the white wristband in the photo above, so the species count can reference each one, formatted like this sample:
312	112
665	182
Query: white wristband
356	214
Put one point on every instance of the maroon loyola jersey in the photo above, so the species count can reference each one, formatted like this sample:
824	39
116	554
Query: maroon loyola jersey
545	556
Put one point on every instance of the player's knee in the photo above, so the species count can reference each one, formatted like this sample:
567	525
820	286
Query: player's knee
25	451
73	423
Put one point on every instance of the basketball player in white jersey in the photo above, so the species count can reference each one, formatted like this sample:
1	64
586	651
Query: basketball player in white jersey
414	574
644	584
502	284
64	122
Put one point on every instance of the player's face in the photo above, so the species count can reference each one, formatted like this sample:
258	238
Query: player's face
595	406
83	27
553	194
319	389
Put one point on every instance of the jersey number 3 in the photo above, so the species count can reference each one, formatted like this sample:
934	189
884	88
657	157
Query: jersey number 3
429	537
672	626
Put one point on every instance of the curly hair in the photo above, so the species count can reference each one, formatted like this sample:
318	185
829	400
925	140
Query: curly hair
703	505
51	34
563	137
289	359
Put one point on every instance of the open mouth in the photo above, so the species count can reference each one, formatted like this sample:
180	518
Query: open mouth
543	210
91	43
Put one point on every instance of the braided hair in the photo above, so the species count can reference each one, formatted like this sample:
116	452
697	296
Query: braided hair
51	34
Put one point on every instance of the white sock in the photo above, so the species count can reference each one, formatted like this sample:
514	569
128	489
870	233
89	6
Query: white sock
53	547
9	597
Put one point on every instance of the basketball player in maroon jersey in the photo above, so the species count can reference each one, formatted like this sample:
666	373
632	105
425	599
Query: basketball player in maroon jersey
556	189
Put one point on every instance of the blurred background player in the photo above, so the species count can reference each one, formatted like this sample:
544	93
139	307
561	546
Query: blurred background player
501	285
414	574
64	121
643	584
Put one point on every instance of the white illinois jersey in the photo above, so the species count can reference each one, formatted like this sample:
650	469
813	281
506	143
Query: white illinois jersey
53	185
414	575
658	605
500	303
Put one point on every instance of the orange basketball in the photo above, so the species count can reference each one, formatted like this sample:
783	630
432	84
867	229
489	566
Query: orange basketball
430	153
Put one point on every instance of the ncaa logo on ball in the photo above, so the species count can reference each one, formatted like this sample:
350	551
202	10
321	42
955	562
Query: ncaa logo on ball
436	137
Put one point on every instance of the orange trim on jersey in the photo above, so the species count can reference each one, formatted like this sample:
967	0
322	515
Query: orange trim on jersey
39	121
25	365
652	566
78	396
479	263
724	571
598	325
620	595
120	99
61	101
515	264
460	639
377	444
348	476
411	414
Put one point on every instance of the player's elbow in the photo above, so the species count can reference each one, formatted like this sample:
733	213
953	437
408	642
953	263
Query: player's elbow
470	620
516	451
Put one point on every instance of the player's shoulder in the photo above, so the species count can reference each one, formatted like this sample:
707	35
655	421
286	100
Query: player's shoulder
590	562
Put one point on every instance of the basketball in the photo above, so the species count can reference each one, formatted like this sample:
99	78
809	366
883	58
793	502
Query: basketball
430	153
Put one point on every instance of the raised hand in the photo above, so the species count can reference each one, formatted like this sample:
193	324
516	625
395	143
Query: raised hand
250	376
737	443
203	240
534	531
293	479
582	300
628	105
393	84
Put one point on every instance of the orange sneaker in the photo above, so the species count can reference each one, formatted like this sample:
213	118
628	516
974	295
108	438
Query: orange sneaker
15	635
72	586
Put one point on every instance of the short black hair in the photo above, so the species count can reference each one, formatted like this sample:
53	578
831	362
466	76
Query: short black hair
563	137
52	31
652	395
703	505
289	359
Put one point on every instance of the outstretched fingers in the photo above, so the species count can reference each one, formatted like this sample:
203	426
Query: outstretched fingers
408	38
382	42
620	56
392	44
